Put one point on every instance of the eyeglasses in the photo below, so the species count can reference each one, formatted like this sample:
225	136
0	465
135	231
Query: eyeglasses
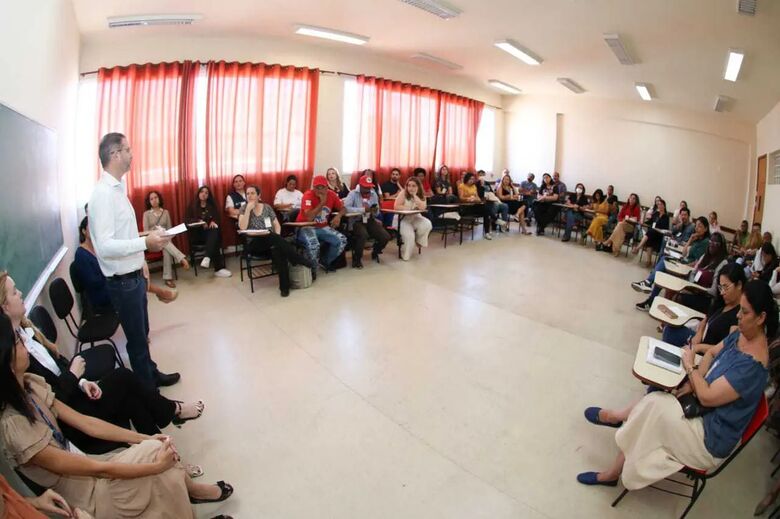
724	288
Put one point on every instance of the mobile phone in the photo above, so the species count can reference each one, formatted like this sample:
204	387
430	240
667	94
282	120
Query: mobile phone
666	356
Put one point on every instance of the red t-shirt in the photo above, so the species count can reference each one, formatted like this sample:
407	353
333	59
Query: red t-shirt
628	212
310	200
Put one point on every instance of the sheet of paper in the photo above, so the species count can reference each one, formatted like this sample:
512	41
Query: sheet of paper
652	344
173	231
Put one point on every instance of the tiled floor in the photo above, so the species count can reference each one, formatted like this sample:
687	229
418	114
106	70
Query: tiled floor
451	386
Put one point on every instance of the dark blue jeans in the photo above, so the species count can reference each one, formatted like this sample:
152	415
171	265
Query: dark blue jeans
572	217
128	296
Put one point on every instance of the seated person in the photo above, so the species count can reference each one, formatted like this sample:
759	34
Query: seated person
754	242
288	199
656	439
256	215
628	219
142	480
14	506
364	200
414	229
370	173
529	189
236	198
714	225
600	208
697	244
335	184
740	237
510	195
614	205
574	211
119	398
91	278
560	187
774	283
544	211
498	210
204	210
721	316
659	219
442	189
391	188
765	264
157	216
422	176
681	231
706	270
468	194
676	215
317	205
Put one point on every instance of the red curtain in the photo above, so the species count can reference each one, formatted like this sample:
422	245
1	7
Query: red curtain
456	145
396	126
407	126
152	106
260	122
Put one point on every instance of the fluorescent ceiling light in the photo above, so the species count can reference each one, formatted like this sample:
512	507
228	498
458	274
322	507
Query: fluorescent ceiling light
438	61
504	86
440	9
330	34
644	91
571	85
619	49
518	51
152	19
734	64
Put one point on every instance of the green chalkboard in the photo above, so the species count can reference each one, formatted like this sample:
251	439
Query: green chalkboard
31	241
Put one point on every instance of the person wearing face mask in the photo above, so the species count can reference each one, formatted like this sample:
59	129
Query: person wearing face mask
575	205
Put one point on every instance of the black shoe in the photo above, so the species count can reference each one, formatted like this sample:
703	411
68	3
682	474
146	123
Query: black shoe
311	263
375	255
357	263
644	306
169	379
226	491
607	248
285	292
565	239
313	275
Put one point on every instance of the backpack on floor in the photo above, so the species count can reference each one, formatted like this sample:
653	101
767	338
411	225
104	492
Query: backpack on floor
300	276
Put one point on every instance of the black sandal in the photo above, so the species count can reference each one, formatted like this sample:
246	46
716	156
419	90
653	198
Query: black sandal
227	491
178	421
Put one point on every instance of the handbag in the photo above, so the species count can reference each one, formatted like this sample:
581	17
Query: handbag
300	276
691	406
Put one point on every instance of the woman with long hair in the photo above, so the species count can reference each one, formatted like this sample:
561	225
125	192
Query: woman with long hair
659	220
655	437
236	198
335	184
600	207
144	479
205	229
510	195
628	219
90	384
156	215
544	211
414	228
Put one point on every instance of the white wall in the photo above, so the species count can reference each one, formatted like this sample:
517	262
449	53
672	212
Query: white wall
639	147
768	142
39	52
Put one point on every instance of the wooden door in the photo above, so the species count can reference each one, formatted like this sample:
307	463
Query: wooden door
758	207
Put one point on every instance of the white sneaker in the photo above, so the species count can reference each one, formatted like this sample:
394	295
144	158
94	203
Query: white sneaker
206	262
489	236
223	273
501	222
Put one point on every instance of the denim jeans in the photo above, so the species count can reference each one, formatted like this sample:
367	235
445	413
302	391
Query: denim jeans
677	336
572	217
660	266
310	238
128	297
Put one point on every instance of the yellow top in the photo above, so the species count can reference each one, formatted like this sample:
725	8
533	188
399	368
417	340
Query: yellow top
602	208
466	191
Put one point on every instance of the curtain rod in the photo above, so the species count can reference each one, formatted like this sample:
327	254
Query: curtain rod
322	72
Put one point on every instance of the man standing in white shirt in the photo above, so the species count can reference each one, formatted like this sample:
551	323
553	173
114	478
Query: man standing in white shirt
120	252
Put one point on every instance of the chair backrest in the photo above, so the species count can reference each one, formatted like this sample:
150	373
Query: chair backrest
42	320
61	298
78	286
759	417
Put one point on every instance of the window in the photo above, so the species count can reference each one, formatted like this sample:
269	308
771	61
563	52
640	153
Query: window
486	138
773	172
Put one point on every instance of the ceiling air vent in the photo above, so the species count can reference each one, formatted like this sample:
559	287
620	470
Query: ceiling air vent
747	7
440	9
722	103
152	19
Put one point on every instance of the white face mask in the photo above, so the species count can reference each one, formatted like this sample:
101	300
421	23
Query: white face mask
579	190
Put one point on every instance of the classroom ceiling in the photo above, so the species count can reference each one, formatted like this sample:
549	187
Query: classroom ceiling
680	45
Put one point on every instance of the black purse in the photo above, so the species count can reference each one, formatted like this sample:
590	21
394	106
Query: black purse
691	406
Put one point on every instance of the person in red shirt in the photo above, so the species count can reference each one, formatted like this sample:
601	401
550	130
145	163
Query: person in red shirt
628	219
317	204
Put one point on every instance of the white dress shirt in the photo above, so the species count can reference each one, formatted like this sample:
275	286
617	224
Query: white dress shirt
114	229
284	196
39	351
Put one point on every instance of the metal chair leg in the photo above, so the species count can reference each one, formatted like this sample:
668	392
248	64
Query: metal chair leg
698	488
619	498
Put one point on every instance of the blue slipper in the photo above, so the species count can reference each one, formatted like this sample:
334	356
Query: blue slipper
591	478
592	415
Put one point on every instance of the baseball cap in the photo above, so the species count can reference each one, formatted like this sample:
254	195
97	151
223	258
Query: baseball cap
366	182
320	180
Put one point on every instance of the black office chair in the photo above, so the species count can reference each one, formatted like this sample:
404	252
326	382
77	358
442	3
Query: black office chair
92	329
256	266
42	320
